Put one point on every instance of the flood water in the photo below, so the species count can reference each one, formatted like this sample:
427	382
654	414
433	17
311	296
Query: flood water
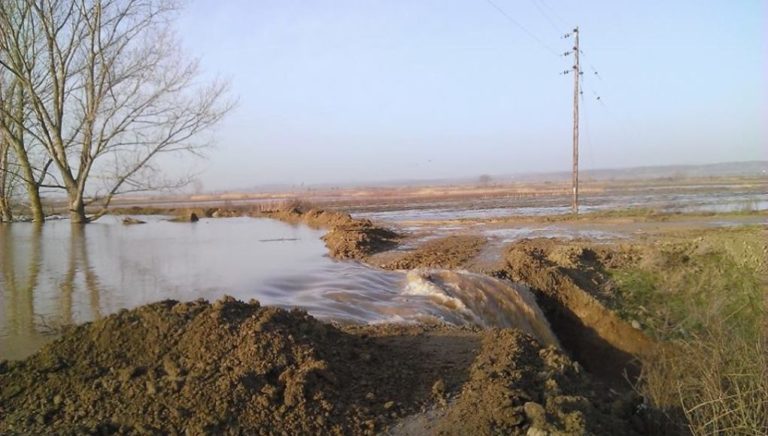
501	207
58	274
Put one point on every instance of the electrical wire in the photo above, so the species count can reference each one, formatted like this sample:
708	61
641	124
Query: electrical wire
523	28
591	67
546	16
586	115
560	21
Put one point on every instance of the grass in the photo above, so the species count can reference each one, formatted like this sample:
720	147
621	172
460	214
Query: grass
705	298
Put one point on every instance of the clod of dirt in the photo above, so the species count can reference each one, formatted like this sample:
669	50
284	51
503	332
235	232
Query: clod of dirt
236	368
450	252
130	221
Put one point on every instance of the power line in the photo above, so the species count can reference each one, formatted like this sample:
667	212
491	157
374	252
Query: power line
546	16
523	28
586	116
561	22
594	70
597	96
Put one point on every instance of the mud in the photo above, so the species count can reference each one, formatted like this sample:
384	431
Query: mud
513	381
569	281
234	368
347	238
449	252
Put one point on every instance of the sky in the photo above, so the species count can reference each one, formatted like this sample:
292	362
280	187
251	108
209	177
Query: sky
372	90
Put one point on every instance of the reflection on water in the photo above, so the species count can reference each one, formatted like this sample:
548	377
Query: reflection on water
58	274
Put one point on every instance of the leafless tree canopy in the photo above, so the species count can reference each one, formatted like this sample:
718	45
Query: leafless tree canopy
109	90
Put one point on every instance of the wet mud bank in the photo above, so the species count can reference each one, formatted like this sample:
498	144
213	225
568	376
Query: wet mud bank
449	252
347	238
568	279
232	368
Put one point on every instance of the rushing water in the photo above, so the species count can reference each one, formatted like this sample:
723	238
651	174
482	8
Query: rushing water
58	274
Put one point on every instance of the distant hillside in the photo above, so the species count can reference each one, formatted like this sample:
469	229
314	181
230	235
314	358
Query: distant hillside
727	169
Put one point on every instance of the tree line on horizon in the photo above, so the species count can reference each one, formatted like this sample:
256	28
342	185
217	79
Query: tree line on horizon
92	94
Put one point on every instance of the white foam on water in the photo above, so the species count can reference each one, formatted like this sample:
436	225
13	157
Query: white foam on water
418	283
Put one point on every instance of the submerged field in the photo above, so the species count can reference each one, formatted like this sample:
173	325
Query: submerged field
631	322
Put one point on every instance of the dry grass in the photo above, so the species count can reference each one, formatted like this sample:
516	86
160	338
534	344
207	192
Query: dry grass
716	383
706	299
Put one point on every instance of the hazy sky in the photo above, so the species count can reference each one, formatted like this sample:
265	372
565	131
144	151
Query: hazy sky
367	90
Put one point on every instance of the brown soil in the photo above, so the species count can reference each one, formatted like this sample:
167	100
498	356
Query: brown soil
450	252
347	238
234	368
569	281
513	380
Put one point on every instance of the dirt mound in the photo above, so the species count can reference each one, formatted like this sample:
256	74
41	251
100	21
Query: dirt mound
174	367
450	252
234	368
347	238
517	387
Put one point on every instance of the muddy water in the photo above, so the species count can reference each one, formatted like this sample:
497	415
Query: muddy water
57	274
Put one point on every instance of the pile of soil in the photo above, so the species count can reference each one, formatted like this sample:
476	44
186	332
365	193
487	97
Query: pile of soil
517	387
449	252
233	368
347	238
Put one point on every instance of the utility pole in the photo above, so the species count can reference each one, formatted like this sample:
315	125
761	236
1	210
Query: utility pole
576	77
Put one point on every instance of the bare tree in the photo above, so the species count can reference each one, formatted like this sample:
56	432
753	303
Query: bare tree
484	180
18	155
109	90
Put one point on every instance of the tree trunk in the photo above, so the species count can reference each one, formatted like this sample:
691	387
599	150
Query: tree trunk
6	215
33	189
35	205
77	209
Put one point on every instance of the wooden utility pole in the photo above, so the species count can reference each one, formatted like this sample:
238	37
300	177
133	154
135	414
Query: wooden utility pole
576	77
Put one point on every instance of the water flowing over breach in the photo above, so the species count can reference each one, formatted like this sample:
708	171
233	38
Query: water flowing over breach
60	275
485	301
